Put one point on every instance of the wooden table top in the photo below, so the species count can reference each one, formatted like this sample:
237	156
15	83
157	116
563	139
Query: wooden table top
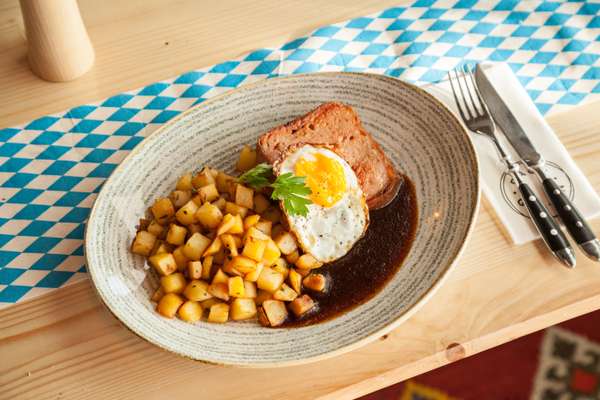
65	345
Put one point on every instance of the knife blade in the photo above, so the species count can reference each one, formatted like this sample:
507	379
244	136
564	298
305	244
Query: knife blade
576	225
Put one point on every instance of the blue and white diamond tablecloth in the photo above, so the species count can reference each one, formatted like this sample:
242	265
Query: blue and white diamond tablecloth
51	169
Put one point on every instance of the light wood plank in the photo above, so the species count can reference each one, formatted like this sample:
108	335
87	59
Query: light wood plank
66	345
140	42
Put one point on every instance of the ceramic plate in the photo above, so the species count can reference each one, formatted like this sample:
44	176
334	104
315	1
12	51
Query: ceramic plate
423	139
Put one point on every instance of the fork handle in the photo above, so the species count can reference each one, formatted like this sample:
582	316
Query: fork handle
547	226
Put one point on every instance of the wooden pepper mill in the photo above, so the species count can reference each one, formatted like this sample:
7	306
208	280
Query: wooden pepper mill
59	46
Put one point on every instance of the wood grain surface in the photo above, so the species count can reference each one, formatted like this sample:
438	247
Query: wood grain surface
67	346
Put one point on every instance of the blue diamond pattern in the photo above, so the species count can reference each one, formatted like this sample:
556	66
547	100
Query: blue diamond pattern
53	167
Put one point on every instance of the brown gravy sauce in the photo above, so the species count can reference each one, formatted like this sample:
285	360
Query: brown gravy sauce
370	264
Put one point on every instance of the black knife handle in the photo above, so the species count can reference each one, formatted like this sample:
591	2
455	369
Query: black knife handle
568	213
546	225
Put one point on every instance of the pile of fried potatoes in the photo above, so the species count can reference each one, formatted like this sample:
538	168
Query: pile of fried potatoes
220	247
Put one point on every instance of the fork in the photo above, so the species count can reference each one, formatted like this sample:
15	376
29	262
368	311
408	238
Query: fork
476	117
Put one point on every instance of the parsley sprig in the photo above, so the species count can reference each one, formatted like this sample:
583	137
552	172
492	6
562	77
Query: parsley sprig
258	177
288	188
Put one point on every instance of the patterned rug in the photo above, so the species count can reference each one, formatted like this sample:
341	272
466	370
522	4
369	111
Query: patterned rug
559	363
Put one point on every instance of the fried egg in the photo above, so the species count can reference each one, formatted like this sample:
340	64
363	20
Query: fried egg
338	215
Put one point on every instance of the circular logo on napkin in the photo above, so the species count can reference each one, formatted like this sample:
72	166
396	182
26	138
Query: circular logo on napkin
510	190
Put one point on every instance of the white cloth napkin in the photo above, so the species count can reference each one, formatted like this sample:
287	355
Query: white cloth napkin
497	186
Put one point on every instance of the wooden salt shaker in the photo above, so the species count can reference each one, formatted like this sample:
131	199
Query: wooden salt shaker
59	47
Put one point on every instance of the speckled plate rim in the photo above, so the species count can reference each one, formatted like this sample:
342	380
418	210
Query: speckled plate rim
420	302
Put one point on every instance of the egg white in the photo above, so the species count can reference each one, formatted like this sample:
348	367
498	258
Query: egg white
328	233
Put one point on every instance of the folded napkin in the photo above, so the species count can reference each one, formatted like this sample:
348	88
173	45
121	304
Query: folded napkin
498	187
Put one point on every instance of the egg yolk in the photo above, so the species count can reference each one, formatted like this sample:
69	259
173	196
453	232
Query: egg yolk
325	178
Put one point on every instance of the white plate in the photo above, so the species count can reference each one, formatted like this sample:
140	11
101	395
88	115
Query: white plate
423	139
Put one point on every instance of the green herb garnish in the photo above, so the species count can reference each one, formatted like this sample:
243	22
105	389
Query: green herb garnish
288	188
292	190
258	177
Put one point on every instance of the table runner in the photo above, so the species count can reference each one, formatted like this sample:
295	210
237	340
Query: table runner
52	168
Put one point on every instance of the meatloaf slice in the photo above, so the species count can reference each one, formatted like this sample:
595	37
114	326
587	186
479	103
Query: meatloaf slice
338	127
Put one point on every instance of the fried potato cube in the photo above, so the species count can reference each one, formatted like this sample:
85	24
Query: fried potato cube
161	247
195	269
244	196
180	197
195	246
295	280
169	304
226	183
230	270
207	264
303	272
163	263
247	159
230	244
180	259
219	313
261	203
220	203
281	266
209	215
301	305
285	293
163	210
272	214
251	220
264	227
238	226
226	223
275	311
186	215
242	309
271	254
158	294
243	265
219	290
316	282
249	290
256	234
208	193
236	286
214	247
185	182
262	317
254	249
197	290
156	229
253	276
262	295
174	283
207	304
143	243
236	209
269	280
286	243
190	311
220	277
203	178
176	234
307	261
293	257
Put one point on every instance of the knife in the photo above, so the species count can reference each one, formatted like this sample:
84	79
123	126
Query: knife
576	225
